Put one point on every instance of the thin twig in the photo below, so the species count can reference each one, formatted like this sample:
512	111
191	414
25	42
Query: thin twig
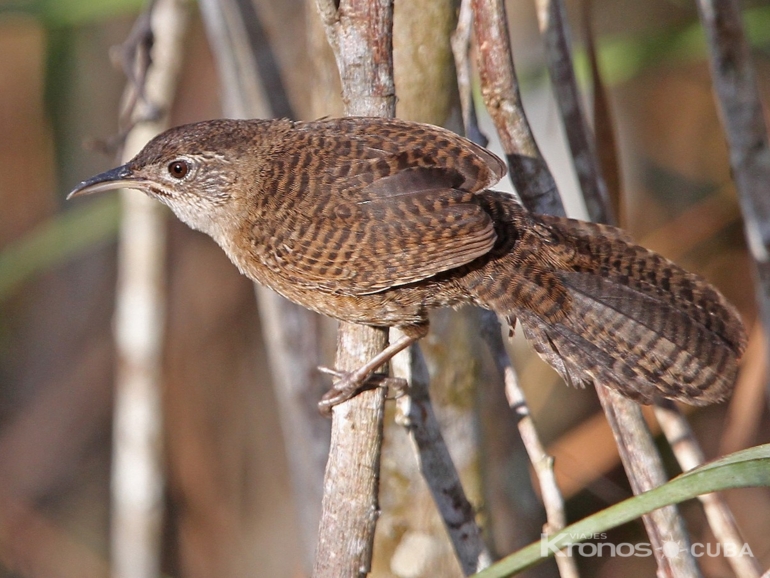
243	95
417	416
461	48
552	17
421	67
740	109
137	477
541	461
635	444
673	423
689	455
645	471
604	127
744	415
360	33
488	324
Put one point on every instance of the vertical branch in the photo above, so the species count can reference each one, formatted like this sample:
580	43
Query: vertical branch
360	33
741	113
292	333
461	48
535	184
137	478
635	444
350	506
500	90
423	65
604	133
645	471
490	326
417	415
673	423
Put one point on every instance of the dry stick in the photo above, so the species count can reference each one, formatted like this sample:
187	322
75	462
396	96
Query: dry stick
632	437
360	34
137	478
461	44
350	506
500	91
744	415
537	188
490	326
604	133
541	461
740	110
551	15
689	455
644	469
461	50
417	415
292	334
635	444
675	426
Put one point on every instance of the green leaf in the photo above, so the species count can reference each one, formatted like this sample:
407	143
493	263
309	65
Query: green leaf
742	469
58	240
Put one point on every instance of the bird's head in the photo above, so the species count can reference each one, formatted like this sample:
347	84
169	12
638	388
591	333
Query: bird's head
190	168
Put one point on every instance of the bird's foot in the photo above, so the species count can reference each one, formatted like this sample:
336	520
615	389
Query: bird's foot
348	384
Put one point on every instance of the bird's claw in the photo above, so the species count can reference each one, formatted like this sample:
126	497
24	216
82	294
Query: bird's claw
348	384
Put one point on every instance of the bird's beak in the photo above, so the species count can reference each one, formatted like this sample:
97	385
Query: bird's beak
118	178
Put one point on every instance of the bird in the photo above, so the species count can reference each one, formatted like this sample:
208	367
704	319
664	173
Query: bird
379	221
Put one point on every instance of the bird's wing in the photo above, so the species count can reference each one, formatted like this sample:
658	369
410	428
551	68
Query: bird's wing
389	207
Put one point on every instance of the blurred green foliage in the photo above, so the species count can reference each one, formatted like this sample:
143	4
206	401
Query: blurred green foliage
622	58
61	13
57	240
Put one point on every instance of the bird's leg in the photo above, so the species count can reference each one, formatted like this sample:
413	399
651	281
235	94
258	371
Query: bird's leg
350	383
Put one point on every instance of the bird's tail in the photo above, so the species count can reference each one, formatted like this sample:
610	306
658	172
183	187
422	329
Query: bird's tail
599	308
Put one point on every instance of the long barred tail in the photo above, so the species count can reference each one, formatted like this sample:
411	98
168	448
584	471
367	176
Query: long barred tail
627	317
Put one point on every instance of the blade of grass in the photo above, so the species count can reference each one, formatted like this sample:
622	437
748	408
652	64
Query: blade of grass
742	469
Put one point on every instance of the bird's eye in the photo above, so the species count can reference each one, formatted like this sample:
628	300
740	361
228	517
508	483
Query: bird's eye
179	169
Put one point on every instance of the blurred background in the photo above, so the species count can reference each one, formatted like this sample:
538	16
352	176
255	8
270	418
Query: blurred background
229	504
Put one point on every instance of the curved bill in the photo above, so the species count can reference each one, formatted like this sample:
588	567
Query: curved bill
118	178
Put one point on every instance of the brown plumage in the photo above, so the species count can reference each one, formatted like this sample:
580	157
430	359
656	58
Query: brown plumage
379	221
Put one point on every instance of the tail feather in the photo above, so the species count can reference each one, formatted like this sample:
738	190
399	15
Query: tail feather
643	347
621	315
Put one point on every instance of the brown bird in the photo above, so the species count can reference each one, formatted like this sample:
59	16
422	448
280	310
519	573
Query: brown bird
378	221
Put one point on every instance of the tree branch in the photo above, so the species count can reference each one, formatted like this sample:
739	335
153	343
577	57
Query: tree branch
417	416
360	33
137	477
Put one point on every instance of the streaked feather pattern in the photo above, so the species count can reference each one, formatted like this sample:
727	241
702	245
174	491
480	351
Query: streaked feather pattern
378	221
